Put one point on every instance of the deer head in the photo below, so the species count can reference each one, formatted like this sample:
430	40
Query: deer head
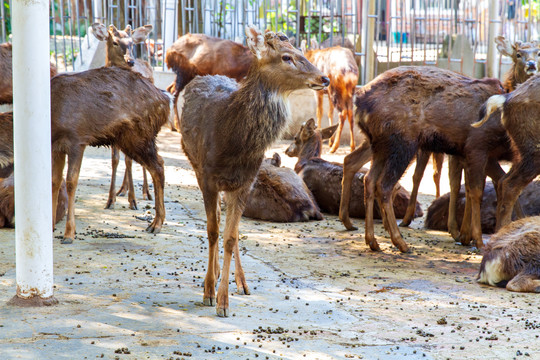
309	136
120	42
280	65
525	56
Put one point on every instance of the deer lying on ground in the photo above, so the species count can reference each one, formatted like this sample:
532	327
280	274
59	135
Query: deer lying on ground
279	194
400	112
121	109
512	257
199	54
437	213
522	123
226	127
339	65
6	74
119	52
324	178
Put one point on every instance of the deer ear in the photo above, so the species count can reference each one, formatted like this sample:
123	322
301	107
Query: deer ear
314	44
113	30
303	46
310	125
276	160
255	41
327	132
504	46
100	31
139	34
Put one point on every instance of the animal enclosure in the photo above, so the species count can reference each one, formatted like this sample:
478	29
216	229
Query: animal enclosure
455	34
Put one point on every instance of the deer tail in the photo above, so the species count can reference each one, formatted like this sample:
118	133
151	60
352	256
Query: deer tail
494	103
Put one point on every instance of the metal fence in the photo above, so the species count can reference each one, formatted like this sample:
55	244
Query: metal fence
383	33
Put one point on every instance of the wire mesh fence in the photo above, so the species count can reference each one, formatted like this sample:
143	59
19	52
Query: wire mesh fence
383	33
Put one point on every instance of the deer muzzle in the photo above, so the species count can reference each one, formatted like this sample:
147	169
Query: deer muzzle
323	82
531	68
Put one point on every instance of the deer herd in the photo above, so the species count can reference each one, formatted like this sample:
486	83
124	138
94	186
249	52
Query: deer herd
235	106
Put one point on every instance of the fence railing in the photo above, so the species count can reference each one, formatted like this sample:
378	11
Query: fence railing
384	33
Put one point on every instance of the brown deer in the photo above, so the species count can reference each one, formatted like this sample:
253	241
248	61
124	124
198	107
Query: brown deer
402	111
279	194
120	108
339	65
512	257
323	178
226	127
437	213
119	52
489	147
198	54
520	119
6	74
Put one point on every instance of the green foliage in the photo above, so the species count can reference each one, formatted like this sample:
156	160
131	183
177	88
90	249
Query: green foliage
7	14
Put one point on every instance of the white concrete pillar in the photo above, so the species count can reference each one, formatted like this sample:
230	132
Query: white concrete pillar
32	151
169	32
494	29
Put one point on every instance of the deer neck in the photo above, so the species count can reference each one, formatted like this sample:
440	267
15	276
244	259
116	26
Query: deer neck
312	149
262	109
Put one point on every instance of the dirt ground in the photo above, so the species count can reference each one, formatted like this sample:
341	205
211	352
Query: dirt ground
317	291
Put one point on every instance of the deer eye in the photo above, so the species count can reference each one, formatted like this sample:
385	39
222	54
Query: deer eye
286	58
518	56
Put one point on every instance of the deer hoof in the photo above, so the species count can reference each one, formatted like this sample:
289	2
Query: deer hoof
242	290
147	196
153	229
133	205
464	240
66	241
405	223
211	301
222	312
109	205
403	248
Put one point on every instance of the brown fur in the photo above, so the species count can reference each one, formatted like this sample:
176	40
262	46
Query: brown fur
324	178
6	75
226	129
6	136
512	257
106	107
409	109
7	202
339	65
437	213
279	194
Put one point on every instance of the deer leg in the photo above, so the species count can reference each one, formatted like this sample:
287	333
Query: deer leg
124	188
235	207
475	178
351	164
519	176
438	160
332	141
58	163
115	157
211	198
155	168
319	97
524	283
131	190
239	276
422	158
384	190
337	134
351	125
495	172
455	168
369	196
74	168
145	189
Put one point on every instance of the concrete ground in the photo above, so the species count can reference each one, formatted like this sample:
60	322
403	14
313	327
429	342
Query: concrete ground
317	291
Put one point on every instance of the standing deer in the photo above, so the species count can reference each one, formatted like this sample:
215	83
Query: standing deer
324	178
6	74
402	111
226	128
120	108
339	65
119	52
512	257
279	194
